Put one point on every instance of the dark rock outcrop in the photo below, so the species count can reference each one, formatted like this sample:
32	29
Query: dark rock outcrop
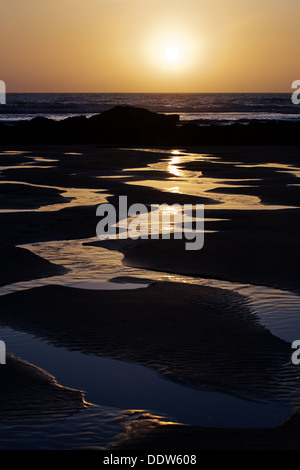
120	125
126	125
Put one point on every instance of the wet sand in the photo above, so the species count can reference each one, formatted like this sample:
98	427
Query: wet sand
18	264
21	196
152	436
240	254
29	393
201	336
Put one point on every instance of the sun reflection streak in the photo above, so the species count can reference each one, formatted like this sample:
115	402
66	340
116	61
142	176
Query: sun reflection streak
173	169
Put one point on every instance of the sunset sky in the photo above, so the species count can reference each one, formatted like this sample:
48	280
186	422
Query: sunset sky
149	45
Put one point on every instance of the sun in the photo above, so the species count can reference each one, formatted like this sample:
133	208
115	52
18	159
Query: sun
172	51
172	54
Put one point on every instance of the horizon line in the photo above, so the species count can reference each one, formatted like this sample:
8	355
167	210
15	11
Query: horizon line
151	92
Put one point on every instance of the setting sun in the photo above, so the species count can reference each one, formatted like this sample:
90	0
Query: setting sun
149	45
172	54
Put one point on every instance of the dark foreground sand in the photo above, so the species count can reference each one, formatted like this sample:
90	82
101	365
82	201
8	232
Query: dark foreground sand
261	249
29	393
200	336
19	264
152	436
21	196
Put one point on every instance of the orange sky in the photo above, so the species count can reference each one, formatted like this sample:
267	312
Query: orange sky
119	45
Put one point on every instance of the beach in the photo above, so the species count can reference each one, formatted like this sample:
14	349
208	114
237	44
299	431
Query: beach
187	316
150	232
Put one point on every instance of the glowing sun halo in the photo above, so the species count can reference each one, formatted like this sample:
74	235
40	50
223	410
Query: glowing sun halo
172	54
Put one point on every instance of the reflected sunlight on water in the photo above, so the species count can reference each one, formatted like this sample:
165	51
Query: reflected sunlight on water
74	197
94	267
194	183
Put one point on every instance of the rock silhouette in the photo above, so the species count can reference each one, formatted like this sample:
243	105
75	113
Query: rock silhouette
127	125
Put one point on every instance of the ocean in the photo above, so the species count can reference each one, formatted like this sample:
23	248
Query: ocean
220	108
